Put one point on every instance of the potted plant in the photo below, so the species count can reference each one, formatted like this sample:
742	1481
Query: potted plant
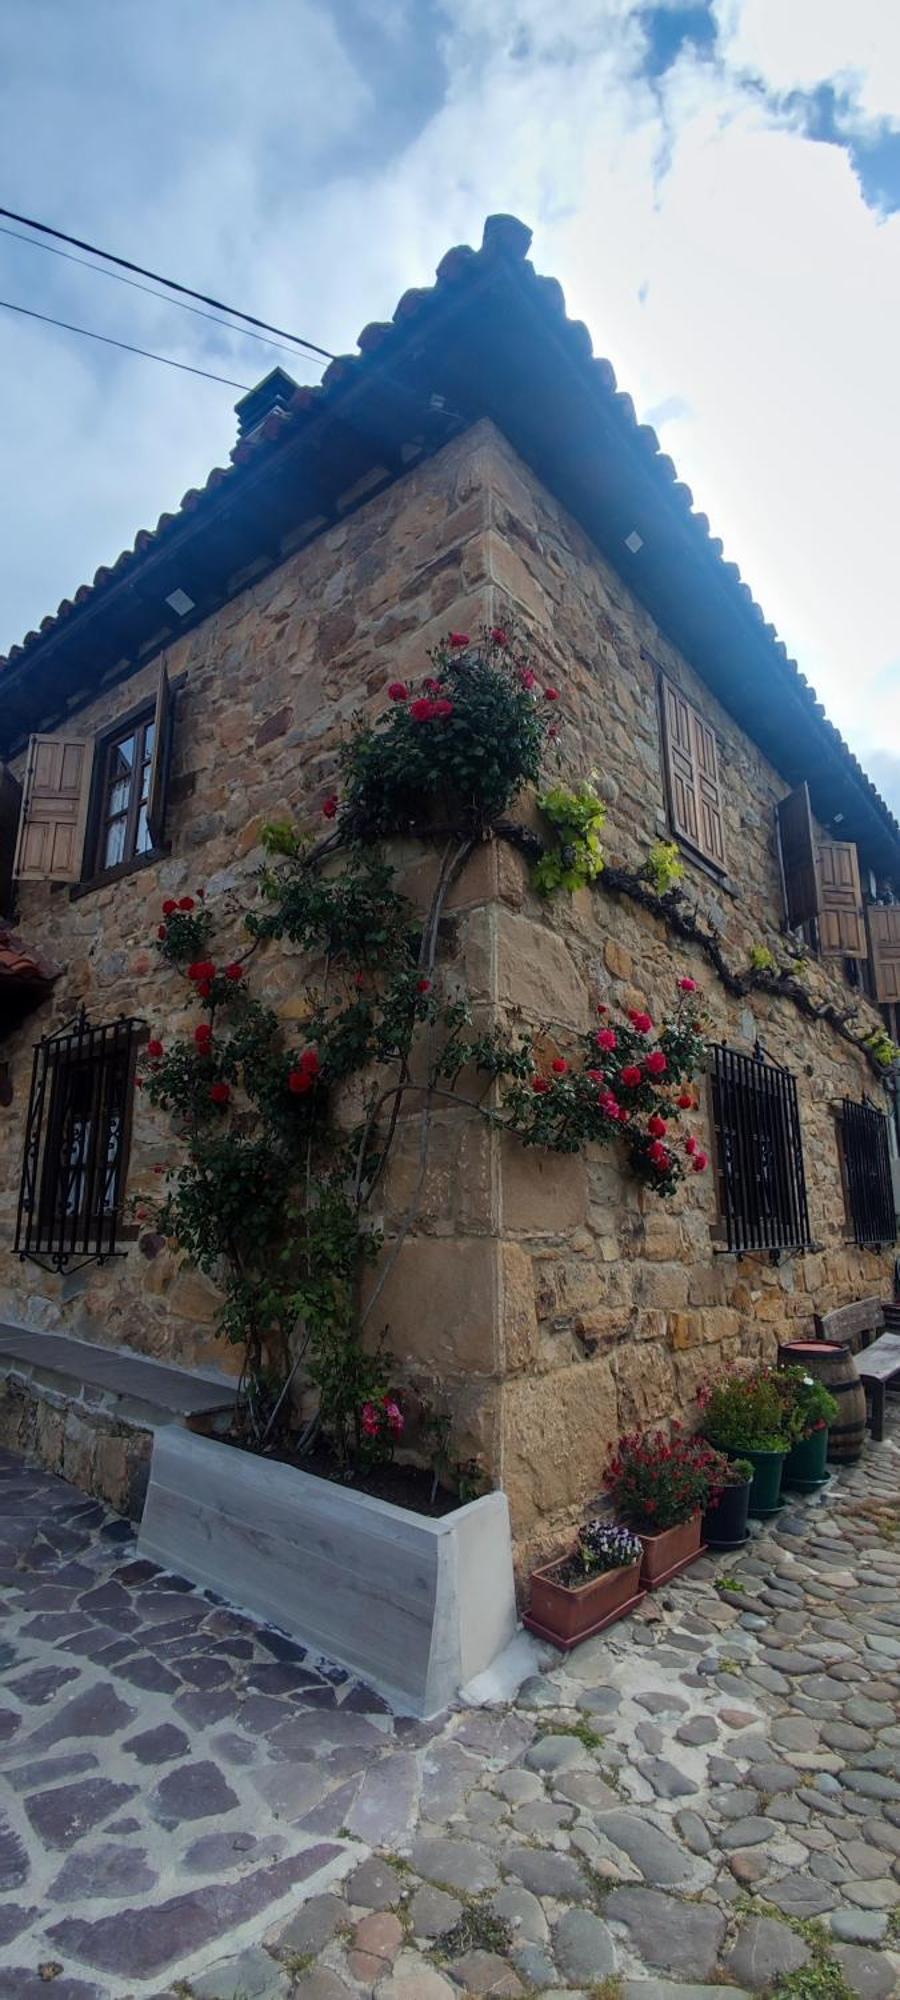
725	1521
593	1586
810	1409
746	1416
661	1485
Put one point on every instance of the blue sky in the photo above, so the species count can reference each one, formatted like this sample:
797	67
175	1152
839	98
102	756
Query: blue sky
716	185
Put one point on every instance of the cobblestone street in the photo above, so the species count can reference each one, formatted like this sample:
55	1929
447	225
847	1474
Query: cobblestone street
705	1801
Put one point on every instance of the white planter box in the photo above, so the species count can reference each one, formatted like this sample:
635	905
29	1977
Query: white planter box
415	1606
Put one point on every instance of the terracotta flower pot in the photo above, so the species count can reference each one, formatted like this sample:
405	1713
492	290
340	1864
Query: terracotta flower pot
567	1612
672	1550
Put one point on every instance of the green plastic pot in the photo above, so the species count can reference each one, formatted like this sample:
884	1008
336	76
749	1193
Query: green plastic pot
805	1468
765	1492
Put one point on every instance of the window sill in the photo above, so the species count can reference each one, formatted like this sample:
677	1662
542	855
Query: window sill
719	876
118	874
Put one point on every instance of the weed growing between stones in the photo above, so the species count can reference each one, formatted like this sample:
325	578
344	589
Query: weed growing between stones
476	1930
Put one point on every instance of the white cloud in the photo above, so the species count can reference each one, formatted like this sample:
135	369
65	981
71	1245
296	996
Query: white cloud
731	271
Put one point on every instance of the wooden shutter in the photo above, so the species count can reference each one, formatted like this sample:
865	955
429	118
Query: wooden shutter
10	802
842	924
709	802
884	937
798	857
695	800
54	809
159	772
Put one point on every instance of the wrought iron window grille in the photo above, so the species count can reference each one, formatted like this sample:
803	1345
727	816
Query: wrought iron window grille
759	1149
77	1137
867	1166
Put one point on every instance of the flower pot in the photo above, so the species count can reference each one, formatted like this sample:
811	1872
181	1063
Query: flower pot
567	1613
725	1524
806	1465
765	1491
672	1550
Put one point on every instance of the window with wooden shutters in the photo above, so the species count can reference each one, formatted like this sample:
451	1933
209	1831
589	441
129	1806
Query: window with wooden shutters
128	806
884	937
54	809
842	922
692	772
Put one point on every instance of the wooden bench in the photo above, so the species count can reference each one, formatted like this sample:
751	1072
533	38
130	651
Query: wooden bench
860	1327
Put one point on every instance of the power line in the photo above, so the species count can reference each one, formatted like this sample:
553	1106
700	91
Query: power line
245	332
185	366
171	284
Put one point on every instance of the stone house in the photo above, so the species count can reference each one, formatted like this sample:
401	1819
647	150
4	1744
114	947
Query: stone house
472	463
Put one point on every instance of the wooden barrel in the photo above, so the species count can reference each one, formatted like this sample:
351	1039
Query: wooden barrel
835	1367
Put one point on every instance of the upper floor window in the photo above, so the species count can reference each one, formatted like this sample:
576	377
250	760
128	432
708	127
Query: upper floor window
123	830
822	888
692	776
76	1143
759	1153
94	805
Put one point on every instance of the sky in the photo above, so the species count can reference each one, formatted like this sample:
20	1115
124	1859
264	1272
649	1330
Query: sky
716	185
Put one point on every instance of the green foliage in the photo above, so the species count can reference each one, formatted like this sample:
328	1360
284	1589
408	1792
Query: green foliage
578	856
459	748
762	959
880	1046
663	868
746	1412
809	1406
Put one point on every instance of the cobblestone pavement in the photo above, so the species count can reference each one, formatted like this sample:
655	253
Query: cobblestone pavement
703	1802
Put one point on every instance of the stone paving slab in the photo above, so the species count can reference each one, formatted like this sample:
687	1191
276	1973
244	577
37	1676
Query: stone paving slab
704	1802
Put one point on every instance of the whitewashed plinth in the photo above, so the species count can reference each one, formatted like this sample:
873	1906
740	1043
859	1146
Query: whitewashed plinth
416	1606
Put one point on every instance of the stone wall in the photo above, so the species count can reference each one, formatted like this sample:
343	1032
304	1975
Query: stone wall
544	1303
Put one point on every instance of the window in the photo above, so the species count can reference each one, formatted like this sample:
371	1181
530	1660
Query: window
76	1143
868	1187
762	1185
692	776
122	830
91	806
821	881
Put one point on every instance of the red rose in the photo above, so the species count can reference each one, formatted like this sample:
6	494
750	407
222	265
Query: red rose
500	635
551	694
595	1075
169	906
688	985
528	679
607	1038
155	1050
398	691
220	1092
433	687
690	1145
203	1035
641	1022
204	989
685	1101
299	1082
423	985
441	710
540	1084
234	971
369	1420
309	1061
186	903
162	933
657	1126
660	1156
610	1105
421	710
202	969
559	1066
656	1063
459	639
699	1163
394	1415
329	806
602	1007
632	1076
